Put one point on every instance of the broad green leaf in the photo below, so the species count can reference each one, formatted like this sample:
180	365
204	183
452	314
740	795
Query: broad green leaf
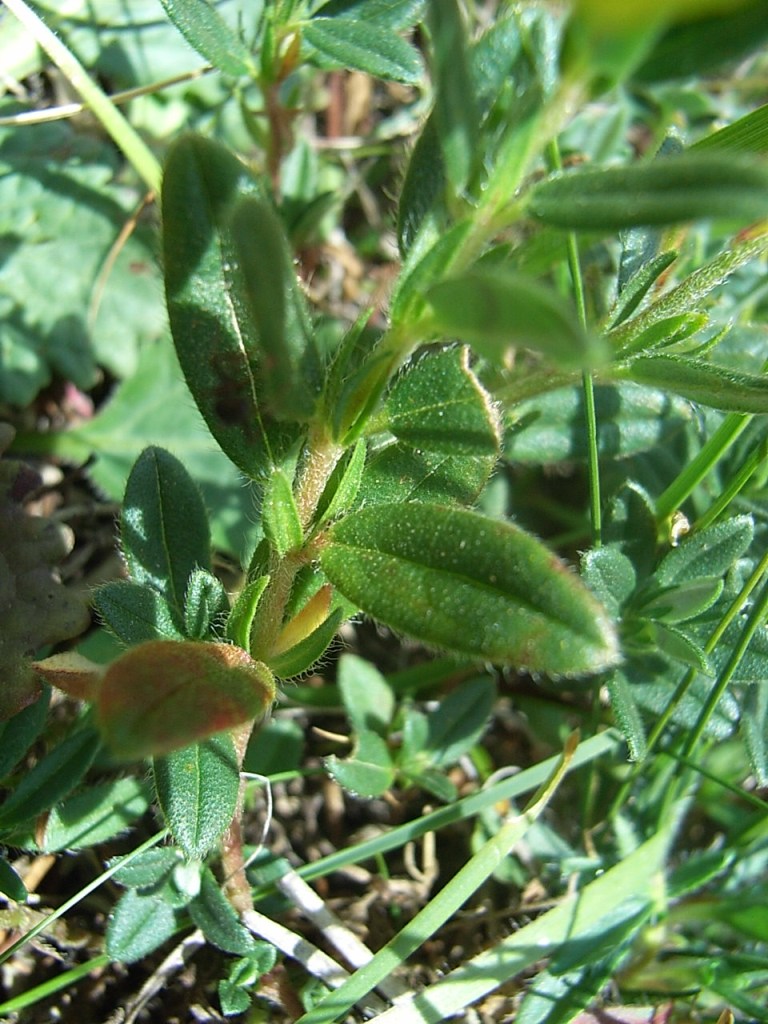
398	472
669	190
138	925
213	332
277	747
495	309
754	724
153	406
393	14
148	869
134	612
206	605
280	517
629	524
55	774
702	382
475	586
299	658
197	789
165	694
368	771
17	734
439	405
456	114
676	644
422	206
364	46
610	576
11	885
368	698
95	815
459	720
205	30
244	611
164	527
627	714
706	553
264	290
428	260
214	916
630	419
684	600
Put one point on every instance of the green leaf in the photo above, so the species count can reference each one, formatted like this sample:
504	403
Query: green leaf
363	46
439	404
669	190
341	491
627	714
683	600
368	698
148	869
456	114
206	605
494	309
267	299
277	747
610	576
754	724
164	527
459	721
429	260
393	14
369	771
398	472
54	775
630	419
629	524
135	612
10	883
138	925
279	514
749	134
17	734
302	656
213	332
95	815
638	286
702	382
213	914
165	694
676	644
209	34
706	553
244	611
197	789
475	586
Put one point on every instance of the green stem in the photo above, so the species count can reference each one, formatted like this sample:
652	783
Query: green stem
123	134
740	479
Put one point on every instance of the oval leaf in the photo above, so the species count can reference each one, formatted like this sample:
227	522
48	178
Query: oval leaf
209	315
165	694
164	527
667	191
494	309
197	789
205	30
479	587
364	46
137	925
95	815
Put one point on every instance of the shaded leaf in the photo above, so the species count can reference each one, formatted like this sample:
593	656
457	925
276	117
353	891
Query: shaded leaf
17	734
702	382
95	814
472	585
213	914
206	605
135	612
459	721
368	698
439	404
494	309
364	46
